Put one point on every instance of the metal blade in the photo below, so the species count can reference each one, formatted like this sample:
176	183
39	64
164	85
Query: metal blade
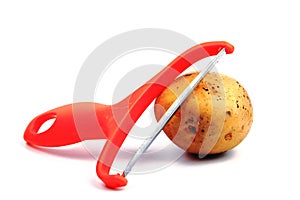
172	109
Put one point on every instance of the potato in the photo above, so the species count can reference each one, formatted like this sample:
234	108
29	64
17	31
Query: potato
215	118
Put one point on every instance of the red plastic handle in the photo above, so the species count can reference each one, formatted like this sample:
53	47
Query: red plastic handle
82	121
73	123
131	108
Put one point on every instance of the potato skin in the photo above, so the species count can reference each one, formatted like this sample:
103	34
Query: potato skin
215	118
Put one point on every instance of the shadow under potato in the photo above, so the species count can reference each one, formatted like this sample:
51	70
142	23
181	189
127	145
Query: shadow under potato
208	156
189	158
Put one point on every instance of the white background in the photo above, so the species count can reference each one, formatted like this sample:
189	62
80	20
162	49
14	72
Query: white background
43	45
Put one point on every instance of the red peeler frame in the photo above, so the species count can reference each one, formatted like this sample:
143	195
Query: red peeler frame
113	122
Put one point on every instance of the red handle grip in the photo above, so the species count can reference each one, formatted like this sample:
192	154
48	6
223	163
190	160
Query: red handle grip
73	123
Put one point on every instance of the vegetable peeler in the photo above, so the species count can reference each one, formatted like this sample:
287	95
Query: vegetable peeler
113	122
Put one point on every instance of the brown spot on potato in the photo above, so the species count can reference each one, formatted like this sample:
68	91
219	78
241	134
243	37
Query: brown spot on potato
228	113
228	136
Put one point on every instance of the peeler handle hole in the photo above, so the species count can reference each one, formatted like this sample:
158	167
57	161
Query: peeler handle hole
46	125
